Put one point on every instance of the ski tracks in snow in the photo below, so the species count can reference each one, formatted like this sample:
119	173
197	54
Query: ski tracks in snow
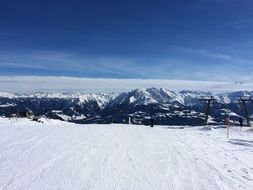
121	157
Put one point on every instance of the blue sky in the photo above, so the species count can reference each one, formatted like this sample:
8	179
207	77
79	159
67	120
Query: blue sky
201	40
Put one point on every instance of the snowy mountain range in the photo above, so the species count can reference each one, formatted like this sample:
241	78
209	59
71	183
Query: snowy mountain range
165	106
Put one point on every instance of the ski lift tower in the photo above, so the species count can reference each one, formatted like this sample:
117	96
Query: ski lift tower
243	100
208	100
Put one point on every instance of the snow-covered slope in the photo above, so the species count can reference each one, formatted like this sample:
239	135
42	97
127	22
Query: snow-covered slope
61	155
101	99
151	96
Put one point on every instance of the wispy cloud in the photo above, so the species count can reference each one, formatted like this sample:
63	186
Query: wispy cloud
51	60
202	52
184	64
248	43
244	23
24	84
4	34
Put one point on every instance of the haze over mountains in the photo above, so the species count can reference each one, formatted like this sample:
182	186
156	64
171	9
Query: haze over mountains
165	106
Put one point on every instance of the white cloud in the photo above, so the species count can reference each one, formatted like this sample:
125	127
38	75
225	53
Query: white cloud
24	84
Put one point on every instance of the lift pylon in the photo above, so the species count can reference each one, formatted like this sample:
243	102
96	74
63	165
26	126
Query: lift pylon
243	100
208	100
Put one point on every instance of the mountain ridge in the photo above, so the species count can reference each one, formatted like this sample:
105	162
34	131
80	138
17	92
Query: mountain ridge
166	106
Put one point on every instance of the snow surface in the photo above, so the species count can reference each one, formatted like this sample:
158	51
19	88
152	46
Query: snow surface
7	105
61	155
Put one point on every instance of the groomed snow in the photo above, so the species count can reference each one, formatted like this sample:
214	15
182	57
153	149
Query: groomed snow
61	155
